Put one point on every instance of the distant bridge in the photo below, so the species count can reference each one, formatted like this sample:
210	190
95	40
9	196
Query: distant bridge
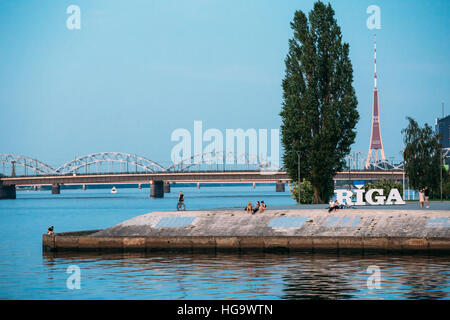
186	177
119	162
125	168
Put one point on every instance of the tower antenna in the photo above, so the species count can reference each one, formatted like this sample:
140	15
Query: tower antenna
376	142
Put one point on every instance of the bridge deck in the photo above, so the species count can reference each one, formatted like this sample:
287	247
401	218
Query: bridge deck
212	177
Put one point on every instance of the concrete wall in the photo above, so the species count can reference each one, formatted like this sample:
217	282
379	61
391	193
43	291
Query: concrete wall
243	243
274	230
7	191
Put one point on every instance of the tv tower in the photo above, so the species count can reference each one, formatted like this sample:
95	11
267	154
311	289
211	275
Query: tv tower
375	136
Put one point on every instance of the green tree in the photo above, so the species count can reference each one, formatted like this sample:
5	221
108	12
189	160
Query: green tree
422	157
306	191
386	185
319	103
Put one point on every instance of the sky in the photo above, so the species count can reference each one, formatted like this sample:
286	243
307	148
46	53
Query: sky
136	71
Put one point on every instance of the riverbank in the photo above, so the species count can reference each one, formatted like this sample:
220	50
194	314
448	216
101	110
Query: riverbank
409	205
274	230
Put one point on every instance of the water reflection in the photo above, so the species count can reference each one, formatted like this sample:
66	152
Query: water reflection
431	282
253	276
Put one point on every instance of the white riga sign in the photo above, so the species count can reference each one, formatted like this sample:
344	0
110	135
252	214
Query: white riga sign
361	194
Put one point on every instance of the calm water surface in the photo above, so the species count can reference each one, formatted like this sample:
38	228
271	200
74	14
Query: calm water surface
28	273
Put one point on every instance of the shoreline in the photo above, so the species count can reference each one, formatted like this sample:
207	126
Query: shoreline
353	230
410	205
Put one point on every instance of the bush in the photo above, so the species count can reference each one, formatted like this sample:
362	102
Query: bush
306	191
445	191
386	185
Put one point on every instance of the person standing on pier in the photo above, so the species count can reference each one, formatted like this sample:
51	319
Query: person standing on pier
421	198
427	196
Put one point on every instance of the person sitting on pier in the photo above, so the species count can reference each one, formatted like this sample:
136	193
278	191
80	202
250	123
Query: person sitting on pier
333	206
330	205
256	208
336	205
50	230
263	206
249	207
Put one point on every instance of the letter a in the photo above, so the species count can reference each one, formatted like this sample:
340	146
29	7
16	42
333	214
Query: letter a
74	280
73	21
181	153
395	196
374	21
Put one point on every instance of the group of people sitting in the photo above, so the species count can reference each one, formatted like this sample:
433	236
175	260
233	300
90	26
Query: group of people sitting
334	205
258	207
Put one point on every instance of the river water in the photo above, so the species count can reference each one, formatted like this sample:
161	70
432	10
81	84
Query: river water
28	273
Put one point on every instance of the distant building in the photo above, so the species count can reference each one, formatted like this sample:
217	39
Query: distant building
443	130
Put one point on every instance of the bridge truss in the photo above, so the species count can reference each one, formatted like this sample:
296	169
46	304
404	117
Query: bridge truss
119	162
106	162
220	161
356	161
23	165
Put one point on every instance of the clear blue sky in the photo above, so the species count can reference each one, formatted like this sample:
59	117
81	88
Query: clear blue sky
137	70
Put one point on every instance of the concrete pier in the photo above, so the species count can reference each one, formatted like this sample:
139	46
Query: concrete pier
166	187
7	192
273	230
280	186
56	188
157	189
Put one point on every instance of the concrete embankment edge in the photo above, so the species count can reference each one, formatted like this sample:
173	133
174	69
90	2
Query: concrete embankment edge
82	241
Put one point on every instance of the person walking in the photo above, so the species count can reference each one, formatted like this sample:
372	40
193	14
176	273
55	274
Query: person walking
427	196
421	198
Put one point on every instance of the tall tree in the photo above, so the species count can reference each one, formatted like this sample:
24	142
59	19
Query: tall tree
422	156
319	103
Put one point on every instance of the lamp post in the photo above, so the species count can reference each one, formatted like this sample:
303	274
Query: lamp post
441	157
403	176
298	178
349	169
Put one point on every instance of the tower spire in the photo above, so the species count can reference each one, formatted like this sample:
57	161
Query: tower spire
375	60
376	142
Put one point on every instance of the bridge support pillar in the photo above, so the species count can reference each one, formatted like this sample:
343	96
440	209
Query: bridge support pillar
279	187
166	187
157	189
56	188
7	192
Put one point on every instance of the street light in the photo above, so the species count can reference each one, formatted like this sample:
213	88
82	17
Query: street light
403	175
298	178
441	171
349	169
